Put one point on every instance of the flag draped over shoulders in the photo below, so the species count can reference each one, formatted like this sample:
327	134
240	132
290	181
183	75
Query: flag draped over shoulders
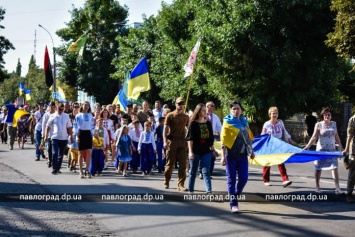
270	151
48	69
139	80
230	129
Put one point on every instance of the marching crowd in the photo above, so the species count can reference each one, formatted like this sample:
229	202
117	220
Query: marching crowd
160	139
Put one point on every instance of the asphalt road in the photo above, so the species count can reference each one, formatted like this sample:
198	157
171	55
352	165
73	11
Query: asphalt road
174	216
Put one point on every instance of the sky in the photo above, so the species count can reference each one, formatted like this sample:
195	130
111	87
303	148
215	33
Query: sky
23	16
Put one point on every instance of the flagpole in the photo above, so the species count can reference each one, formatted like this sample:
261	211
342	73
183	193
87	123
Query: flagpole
188	90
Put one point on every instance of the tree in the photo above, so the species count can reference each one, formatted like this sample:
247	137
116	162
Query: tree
99	21
343	36
263	52
5	45
18	68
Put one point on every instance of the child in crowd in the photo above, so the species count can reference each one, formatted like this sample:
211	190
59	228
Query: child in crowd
147	149
124	145
117	134
134	117
160	142
152	122
135	134
74	153
98	156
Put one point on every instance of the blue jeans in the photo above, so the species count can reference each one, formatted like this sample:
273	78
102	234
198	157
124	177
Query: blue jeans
205	160
161	162
58	147
234	166
38	143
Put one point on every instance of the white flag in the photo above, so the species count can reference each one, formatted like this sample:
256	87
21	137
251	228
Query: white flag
191	60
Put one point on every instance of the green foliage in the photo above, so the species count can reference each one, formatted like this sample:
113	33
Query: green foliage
99	21
5	45
343	36
262	52
18	68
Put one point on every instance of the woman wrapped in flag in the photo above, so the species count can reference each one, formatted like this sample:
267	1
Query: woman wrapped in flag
327	134
236	139
275	127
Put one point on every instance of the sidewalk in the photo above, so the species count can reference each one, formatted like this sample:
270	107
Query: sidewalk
41	218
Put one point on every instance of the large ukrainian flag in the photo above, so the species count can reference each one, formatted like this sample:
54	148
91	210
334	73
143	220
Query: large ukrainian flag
14	114
270	151
139	80
230	129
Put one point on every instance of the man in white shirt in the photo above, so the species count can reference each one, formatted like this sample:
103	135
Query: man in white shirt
157	111
52	109
61	127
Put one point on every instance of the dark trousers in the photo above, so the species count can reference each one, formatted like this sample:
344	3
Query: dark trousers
3	134
351	178
161	162
58	147
147	157
134	164
11	132
50	152
234	166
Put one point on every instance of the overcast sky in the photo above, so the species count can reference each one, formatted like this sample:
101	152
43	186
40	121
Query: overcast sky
23	16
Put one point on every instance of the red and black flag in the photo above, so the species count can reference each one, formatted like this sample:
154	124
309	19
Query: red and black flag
48	69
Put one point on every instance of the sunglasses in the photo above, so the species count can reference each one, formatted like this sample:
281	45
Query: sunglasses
181	103
76	107
60	109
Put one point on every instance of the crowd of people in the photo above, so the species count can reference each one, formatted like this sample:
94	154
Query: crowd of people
141	141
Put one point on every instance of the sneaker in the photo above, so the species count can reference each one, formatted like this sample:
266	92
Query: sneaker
125	174
37	159
105	167
234	209
349	199
54	172
338	192
267	184
81	175
286	183
318	190
59	172
49	164
181	188
200	176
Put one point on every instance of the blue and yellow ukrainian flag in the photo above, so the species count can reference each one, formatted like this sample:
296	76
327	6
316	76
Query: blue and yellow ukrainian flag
28	94
121	97
21	88
230	129
13	114
139	80
270	151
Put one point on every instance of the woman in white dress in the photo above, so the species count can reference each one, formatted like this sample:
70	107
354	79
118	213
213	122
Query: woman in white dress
327	135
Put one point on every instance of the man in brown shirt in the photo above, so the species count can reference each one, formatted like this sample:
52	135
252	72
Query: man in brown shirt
175	143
